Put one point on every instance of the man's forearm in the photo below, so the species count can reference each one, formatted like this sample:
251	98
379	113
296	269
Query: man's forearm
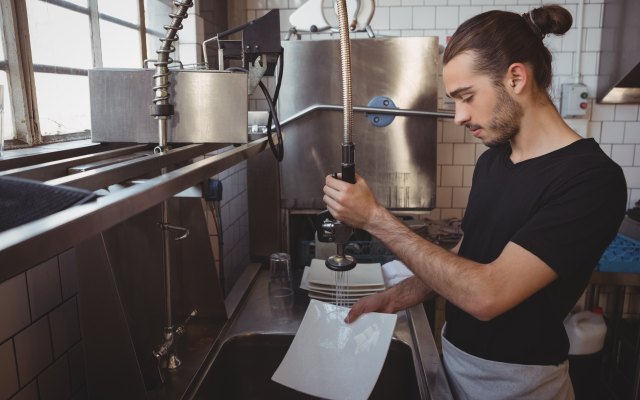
408	293
451	276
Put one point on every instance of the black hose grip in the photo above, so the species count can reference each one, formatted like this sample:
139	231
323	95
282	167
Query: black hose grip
161	110
349	173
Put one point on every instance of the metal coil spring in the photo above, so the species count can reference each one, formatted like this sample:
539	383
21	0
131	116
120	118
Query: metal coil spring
161	77
345	58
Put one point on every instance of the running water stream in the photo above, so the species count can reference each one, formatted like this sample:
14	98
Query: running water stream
342	288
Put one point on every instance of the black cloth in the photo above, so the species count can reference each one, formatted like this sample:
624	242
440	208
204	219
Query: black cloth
565	207
25	200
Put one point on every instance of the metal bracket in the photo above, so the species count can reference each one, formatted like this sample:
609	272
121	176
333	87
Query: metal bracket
381	120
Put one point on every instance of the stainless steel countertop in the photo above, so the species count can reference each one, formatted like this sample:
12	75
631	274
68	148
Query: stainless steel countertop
255	316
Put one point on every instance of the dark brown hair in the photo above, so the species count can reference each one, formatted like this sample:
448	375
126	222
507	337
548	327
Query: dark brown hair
500	38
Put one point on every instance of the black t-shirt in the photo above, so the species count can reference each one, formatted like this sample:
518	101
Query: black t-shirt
565	207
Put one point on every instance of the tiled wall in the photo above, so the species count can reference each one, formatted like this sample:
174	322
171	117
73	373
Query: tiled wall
615	127
40	342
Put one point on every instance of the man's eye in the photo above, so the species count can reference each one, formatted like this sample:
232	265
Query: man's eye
467	99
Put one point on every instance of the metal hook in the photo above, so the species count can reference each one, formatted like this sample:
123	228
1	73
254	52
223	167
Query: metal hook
169	227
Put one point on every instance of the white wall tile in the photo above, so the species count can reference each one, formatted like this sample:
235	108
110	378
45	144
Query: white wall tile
632	132
271	4
424	17
626	112
459	2
452	133
443	197
380	19
603	112
445	153
464	154
594	130
400	18
446	17
451	175
467	12
388	3
632	175
612	132
296	3
606	148
592	17
412	3
592	38
623	154
636	158
562	63
589	63
254	4
460	197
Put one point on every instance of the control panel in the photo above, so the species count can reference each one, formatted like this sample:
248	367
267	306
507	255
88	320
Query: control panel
574	100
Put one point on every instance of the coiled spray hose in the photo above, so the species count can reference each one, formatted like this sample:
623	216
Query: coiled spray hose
161	109
348	148
340	233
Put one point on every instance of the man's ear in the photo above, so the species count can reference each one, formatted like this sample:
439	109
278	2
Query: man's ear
517	77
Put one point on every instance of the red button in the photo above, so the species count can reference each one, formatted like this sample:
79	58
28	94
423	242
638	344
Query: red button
583	106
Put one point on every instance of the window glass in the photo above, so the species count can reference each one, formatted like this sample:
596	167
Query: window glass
156	16
126	10
59	36
83	3
63	103
7	120
120	46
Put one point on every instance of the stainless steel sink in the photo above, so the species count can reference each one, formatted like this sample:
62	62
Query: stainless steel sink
245	363
257	337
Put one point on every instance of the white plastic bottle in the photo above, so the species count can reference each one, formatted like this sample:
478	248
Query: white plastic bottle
586	331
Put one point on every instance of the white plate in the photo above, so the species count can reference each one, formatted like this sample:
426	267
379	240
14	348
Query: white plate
361	275
331	359
332	299
328	289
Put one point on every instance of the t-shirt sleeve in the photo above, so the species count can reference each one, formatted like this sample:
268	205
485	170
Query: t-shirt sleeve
577	222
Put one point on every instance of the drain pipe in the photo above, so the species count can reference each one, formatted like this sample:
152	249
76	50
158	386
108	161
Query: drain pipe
578	60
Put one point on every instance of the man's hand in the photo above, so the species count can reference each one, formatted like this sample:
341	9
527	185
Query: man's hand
380	302
352	204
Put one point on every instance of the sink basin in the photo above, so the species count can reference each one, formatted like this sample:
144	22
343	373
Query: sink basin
243	367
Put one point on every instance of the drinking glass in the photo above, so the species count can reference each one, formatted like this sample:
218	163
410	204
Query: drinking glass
280	285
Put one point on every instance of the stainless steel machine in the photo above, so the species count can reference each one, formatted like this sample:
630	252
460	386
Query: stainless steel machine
396	154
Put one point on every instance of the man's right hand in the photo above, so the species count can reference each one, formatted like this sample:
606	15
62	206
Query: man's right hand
380	302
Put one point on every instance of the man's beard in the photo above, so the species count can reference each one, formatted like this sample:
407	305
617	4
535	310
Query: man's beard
507	116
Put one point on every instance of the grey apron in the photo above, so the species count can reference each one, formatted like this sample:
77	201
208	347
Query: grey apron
471	377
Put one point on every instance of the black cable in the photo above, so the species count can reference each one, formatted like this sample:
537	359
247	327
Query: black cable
279	82
277	149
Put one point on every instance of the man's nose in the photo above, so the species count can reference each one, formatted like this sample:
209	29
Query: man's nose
461	116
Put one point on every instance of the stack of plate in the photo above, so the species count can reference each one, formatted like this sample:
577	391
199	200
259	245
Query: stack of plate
322	283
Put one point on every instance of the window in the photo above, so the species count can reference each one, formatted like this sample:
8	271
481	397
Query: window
67	38
60	37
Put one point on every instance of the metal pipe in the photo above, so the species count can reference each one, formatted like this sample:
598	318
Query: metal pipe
373	110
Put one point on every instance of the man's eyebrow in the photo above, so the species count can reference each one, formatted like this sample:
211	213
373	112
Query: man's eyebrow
458	91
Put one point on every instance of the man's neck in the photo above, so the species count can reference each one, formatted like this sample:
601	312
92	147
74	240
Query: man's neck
542	131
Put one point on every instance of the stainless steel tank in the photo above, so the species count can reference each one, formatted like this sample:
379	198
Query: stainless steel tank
398	160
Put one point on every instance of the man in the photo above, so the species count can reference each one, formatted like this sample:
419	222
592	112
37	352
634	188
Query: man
543	206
